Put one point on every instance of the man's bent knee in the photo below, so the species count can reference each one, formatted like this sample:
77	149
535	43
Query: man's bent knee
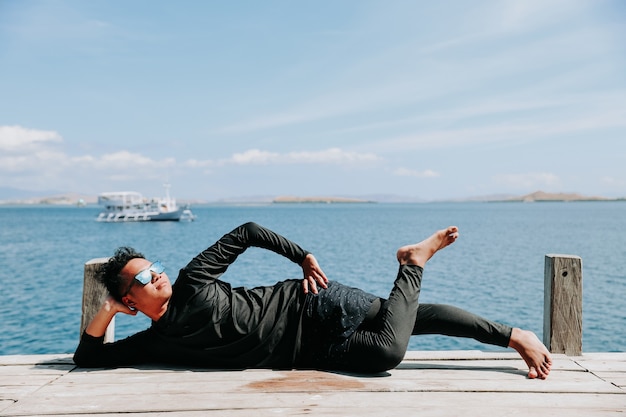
384	359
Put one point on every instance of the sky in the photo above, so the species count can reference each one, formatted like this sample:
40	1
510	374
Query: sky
428	100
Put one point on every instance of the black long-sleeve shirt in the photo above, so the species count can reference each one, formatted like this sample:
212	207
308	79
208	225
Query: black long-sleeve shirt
210	324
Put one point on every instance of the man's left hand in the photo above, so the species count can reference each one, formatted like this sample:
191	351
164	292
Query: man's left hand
313	275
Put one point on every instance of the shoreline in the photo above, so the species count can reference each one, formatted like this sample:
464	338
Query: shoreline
309	200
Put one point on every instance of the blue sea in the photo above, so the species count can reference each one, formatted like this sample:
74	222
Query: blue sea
495	268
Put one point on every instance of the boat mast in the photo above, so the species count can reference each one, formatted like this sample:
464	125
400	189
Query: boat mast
167	190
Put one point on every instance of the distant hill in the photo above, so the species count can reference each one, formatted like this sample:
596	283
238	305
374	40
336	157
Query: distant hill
539	196
327	200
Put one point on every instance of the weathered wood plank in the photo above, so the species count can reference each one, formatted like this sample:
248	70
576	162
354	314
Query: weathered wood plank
378	411
617	378
26	380
602	365
563	304
329	403
434	387
94	294
307	381
560	362
4	404
298	379
16	392
603	356
420	355
36	359
16	370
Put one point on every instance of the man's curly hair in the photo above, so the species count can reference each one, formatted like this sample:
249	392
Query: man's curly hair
110	271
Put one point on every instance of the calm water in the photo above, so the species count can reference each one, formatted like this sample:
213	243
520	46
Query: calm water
495	268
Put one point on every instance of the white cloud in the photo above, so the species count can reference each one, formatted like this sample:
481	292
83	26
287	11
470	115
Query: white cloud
528	180
327	156
405	172
33	158
18	139
43	163
255	156
332	156
125	160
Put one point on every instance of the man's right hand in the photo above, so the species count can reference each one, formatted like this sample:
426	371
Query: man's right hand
110	307
313	275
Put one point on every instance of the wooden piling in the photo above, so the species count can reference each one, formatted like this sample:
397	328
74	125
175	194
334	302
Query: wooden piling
94	294
563	304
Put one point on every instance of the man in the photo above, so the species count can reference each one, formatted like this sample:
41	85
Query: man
202	321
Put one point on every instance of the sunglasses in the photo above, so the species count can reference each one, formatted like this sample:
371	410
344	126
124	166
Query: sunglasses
145	276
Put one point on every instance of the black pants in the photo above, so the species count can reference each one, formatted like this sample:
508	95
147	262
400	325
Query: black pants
381	341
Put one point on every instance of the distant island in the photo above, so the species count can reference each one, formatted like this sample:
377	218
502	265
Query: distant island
324	200
537	196
69	199
540	196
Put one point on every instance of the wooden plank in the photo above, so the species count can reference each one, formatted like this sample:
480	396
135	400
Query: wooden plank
374	412
616	378
27	379
329	403
14	370
459	387
563	304
16	392
421	355
559	362
36	359
4	404
603	356
602	365
94	294
479	379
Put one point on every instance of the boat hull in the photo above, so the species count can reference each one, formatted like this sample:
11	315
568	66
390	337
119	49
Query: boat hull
172	216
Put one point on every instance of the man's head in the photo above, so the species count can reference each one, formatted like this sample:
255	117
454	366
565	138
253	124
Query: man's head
137	282
111	271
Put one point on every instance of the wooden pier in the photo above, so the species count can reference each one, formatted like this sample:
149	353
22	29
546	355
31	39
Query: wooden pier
443	383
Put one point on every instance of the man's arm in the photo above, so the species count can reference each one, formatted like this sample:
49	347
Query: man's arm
139	348
213	262
93	352
103	317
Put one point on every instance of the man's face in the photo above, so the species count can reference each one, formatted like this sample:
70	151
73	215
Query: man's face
145	297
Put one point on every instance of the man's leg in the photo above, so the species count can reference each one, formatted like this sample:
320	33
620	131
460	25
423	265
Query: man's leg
453	321
382	346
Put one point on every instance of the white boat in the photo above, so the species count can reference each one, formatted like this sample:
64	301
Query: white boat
130	206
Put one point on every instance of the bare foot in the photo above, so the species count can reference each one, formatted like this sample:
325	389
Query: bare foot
419	253
534	353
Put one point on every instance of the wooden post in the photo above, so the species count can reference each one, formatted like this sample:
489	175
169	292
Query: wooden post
94	294
563	304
